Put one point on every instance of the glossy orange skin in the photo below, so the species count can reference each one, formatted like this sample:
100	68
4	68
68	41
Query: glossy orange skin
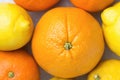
92	5
19	62
36	5
61	25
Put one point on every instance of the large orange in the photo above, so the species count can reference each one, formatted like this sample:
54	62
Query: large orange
92	5
67	42
18	65
36	5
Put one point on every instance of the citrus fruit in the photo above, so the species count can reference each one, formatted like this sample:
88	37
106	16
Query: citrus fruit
18	65
92	5
111	25
107	70
57	78
67	42
36	5
16	27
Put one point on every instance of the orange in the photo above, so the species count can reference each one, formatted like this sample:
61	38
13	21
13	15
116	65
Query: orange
67	42
92	5
18	65
36	5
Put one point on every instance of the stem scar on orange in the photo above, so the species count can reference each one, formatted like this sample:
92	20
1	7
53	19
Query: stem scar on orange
67	42
18	65
36	5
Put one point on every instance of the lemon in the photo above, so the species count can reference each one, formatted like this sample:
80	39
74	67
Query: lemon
16	27
107	70
111	27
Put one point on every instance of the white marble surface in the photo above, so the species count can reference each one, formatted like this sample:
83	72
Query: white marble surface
10	1
108	54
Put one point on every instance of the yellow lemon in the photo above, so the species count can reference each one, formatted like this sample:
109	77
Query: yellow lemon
56	78
107	70
111	27
16	27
